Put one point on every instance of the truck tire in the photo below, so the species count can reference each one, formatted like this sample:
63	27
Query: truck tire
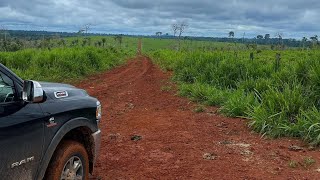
70	161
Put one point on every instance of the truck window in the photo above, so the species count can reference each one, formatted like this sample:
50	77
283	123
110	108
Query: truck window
6	89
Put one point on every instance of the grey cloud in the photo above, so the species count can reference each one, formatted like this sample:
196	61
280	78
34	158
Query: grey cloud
205	17
142	4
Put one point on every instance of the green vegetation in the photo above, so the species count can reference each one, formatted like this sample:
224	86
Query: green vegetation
52	58
308	161
279	94
62	64
278	90
293	164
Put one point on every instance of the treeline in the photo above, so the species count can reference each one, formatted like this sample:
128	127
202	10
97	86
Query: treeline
39	35
11	41
271	41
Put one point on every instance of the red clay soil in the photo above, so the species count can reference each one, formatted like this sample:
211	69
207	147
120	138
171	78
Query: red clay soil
151	133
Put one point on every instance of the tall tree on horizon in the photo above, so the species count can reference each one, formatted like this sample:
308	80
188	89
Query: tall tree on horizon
231	34
175	28
267	36
259	37
279	36
314	40
158	33
304	40
179	28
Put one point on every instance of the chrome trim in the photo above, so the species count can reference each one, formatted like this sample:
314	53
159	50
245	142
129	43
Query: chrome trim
37	94
97	143
73	169
59	97
98	111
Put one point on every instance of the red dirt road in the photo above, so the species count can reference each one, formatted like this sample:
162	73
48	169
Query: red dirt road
175	139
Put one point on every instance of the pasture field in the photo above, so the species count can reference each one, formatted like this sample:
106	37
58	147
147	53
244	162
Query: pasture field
149	44
280	96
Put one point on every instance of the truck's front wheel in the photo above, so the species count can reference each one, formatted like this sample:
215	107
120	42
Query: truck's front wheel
70	161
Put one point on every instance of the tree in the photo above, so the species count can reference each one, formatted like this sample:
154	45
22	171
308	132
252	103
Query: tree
86	28
179	28
80	31
279	36
182	28
304	40
158	34
174	28
314	40
231	34
267	36
243	37
260	37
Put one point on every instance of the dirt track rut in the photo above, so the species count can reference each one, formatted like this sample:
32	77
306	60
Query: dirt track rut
176	142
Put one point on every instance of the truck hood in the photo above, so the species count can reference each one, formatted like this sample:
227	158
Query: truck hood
61	91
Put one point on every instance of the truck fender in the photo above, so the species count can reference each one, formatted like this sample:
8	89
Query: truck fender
67	127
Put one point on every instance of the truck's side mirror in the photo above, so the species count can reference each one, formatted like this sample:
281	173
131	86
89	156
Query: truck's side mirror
32	92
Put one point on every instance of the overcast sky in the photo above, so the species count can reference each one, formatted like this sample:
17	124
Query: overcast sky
292	18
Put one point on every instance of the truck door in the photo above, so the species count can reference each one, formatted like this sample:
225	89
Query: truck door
21	132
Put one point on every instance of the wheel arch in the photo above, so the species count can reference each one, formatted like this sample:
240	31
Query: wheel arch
72	130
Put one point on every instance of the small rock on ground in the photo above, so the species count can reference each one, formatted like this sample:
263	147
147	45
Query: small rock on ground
209	156
136	138
295	148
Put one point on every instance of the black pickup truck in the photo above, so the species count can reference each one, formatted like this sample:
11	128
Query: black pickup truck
47	130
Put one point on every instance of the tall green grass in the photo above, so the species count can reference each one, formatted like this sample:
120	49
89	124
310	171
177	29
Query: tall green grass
279	100
62	64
